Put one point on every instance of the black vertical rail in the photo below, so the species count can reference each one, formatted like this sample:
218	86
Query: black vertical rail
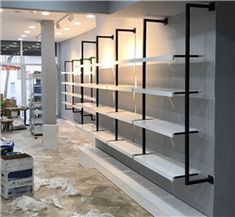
65	86
209	179
82	75
73	87
116	73
97	74
164	21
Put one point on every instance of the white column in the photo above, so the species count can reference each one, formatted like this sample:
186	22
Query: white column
49	84
23	76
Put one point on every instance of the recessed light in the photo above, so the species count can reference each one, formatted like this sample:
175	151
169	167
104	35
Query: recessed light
45	13
14	42
27	32
66	29
32	27
58	33
90	16
77	23
23	36
7	47
20	39
1	10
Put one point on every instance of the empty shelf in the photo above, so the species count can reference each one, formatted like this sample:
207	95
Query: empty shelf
87	127
89	107
125	116
163	127
79	96
66	73
163	165
103	136
67	103
126	147
162	91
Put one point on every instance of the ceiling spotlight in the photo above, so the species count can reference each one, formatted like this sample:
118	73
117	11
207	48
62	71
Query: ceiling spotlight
32	27
58	33
23	36
90	16
58	26
77	23
70	17
66	29
45	13
27	32
20	39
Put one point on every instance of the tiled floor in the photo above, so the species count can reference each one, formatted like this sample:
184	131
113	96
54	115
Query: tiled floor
96	191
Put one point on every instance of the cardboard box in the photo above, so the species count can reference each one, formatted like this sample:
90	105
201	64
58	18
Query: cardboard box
10	103
16	175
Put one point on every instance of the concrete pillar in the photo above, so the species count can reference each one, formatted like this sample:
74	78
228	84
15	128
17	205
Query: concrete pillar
23	76
49	84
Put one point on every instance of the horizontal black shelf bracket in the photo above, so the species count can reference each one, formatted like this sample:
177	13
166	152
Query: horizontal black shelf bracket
187	56
98	37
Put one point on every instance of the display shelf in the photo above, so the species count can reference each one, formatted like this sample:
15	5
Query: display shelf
67	73
125	116
103	135
163	127
79	96
87	127
68	83
164	166
168	92
67	103
126	147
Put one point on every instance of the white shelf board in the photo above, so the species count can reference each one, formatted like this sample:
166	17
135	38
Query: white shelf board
87	127
168	92
89	107
103	136
125	116
79	96
126	147
67	103
67	73
162	127
163	165
68	83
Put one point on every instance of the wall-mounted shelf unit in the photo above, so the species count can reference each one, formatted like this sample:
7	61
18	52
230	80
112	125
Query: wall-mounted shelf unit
163	165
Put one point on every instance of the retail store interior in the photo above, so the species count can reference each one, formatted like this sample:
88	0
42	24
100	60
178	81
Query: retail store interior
117	108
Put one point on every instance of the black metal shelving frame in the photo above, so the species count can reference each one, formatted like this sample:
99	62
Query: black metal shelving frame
117	31
98	37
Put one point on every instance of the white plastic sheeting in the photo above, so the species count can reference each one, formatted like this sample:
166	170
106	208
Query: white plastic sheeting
52	200
92	213
26	203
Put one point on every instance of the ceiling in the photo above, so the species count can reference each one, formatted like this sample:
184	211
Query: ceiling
16	22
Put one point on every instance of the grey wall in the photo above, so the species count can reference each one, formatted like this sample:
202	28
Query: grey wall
224	202
169	40
69	50
212	150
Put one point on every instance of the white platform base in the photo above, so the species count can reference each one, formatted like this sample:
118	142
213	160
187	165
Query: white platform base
50	135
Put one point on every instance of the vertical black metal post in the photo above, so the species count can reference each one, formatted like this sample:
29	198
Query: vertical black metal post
97	75
73	87
209	179
82	75
116	73
164	21
187	86
65	86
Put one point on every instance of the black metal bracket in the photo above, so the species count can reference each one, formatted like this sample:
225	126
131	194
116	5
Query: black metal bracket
116	73
73	87
145	22
97	73
209	179
82	74
65	86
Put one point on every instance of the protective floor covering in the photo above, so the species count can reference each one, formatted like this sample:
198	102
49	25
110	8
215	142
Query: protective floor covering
98	196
